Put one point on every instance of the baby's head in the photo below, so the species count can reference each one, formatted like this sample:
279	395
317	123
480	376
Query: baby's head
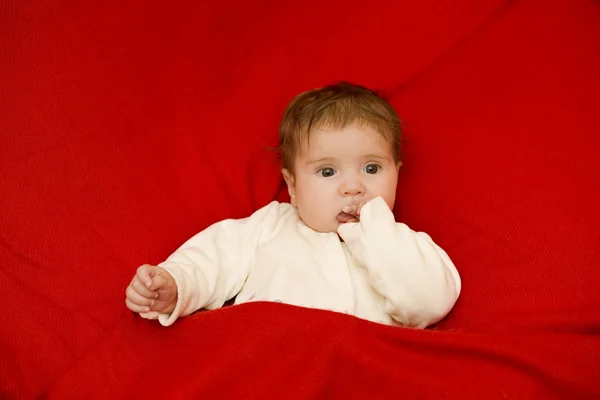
340	146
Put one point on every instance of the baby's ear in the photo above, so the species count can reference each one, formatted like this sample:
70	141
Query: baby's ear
291	184
398	165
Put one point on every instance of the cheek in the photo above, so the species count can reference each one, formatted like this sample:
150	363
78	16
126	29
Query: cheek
391	200
388	189
305	189
313	186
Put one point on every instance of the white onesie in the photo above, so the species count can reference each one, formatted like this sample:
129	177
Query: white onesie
382	271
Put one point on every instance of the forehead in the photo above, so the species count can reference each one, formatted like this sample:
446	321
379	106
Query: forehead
349	142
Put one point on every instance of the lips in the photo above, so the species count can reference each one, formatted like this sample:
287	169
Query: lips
345	217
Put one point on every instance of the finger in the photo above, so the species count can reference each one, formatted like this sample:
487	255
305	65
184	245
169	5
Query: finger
350	210
137	298
143	290
159	282
145	274
135	307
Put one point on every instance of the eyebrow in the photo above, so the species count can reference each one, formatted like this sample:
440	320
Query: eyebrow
320	160
323	159
376	156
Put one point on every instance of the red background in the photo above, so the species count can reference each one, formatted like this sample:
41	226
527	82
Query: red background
126	127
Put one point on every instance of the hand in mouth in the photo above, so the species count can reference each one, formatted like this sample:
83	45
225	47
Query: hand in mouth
349	214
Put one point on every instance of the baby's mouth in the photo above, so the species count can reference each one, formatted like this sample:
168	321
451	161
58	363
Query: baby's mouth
345	217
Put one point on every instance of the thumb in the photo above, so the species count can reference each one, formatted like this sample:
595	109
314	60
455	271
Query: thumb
145	273
160	280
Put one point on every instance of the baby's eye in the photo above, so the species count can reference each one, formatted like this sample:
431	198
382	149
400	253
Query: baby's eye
327	172
371	169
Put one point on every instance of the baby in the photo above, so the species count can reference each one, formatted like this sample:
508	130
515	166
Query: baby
337	245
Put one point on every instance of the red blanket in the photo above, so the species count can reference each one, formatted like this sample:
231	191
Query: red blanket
126	127
273	351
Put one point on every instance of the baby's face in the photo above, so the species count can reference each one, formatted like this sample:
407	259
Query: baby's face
339	168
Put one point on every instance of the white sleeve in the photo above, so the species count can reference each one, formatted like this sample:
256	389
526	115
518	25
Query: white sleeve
415	276
211	267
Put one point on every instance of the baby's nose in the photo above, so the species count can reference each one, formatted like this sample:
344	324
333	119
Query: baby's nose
352	187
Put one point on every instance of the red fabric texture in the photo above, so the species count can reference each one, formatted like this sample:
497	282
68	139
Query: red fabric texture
263	350
126	127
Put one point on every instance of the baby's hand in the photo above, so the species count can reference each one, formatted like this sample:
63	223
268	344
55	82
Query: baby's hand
151	289
353	210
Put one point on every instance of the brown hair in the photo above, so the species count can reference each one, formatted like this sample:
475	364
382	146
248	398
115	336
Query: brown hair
336	107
